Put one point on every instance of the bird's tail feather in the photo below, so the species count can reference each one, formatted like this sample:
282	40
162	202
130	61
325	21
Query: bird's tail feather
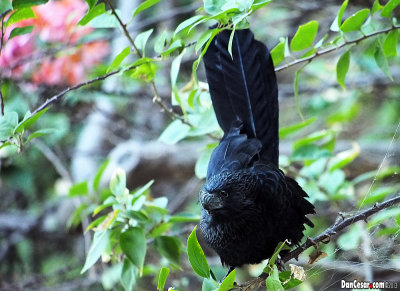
243	86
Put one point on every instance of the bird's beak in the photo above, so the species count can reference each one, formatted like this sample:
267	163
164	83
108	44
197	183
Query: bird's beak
210	201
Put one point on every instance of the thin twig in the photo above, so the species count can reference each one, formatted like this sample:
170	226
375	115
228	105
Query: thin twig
156	99
1	103
334	48
326	235
2	16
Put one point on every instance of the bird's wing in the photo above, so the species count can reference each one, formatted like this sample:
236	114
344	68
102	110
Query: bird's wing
243	87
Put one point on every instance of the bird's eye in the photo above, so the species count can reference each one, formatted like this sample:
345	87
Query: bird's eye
223	193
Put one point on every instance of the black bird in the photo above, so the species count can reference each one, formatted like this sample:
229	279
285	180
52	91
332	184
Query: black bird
248	204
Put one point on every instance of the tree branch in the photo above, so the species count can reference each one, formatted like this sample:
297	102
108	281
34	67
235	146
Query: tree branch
327	234
334	48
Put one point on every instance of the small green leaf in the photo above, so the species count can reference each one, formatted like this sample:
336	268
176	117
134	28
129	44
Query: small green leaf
144	5
91	3
8	122
278	52
162	227
29	120
341	12
17	4
381	60
383	216
177	44
184	218
293	282
145	72
342	67
202	162
196	256
354	22
175	131
188	22
273	283
169	247
20	14
228	282
161	42
118	59
5	5
133	244
389	7
96	222
162	278
376	7
128	275
285	131
99	174
304	36
209	285
296	92
100	241
344	158
118	182
92	13
377	195
105	19
204	38
79	189
141	40
20	31
390	44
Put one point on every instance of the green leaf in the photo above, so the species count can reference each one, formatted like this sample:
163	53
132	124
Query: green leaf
177	44
209	285
296	92
105	19
169	247
20	14
145	72
91	3
18	4
204	38
228	282
21	31
162	227
278	52
92	13
273	283
196	256
118	182
390	44
29	120
376	7
184	218
100	241
79	189
381	60
175	131
141	40
354	22
118	59
338	20
202	162
342	67
377	195
5	5
96	222
188	22
277	250
293	282
102	207
383	216
128	275
133	244
389	7
144	5
162	278
39	133
285	131
309	152
344	158
99	174
7	124
304	36
161	42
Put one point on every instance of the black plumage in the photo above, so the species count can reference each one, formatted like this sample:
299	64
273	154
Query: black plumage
248	204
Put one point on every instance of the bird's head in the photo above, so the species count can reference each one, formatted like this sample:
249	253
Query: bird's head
225	193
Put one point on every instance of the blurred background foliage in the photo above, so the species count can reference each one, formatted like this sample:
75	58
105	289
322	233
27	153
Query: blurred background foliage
341	144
